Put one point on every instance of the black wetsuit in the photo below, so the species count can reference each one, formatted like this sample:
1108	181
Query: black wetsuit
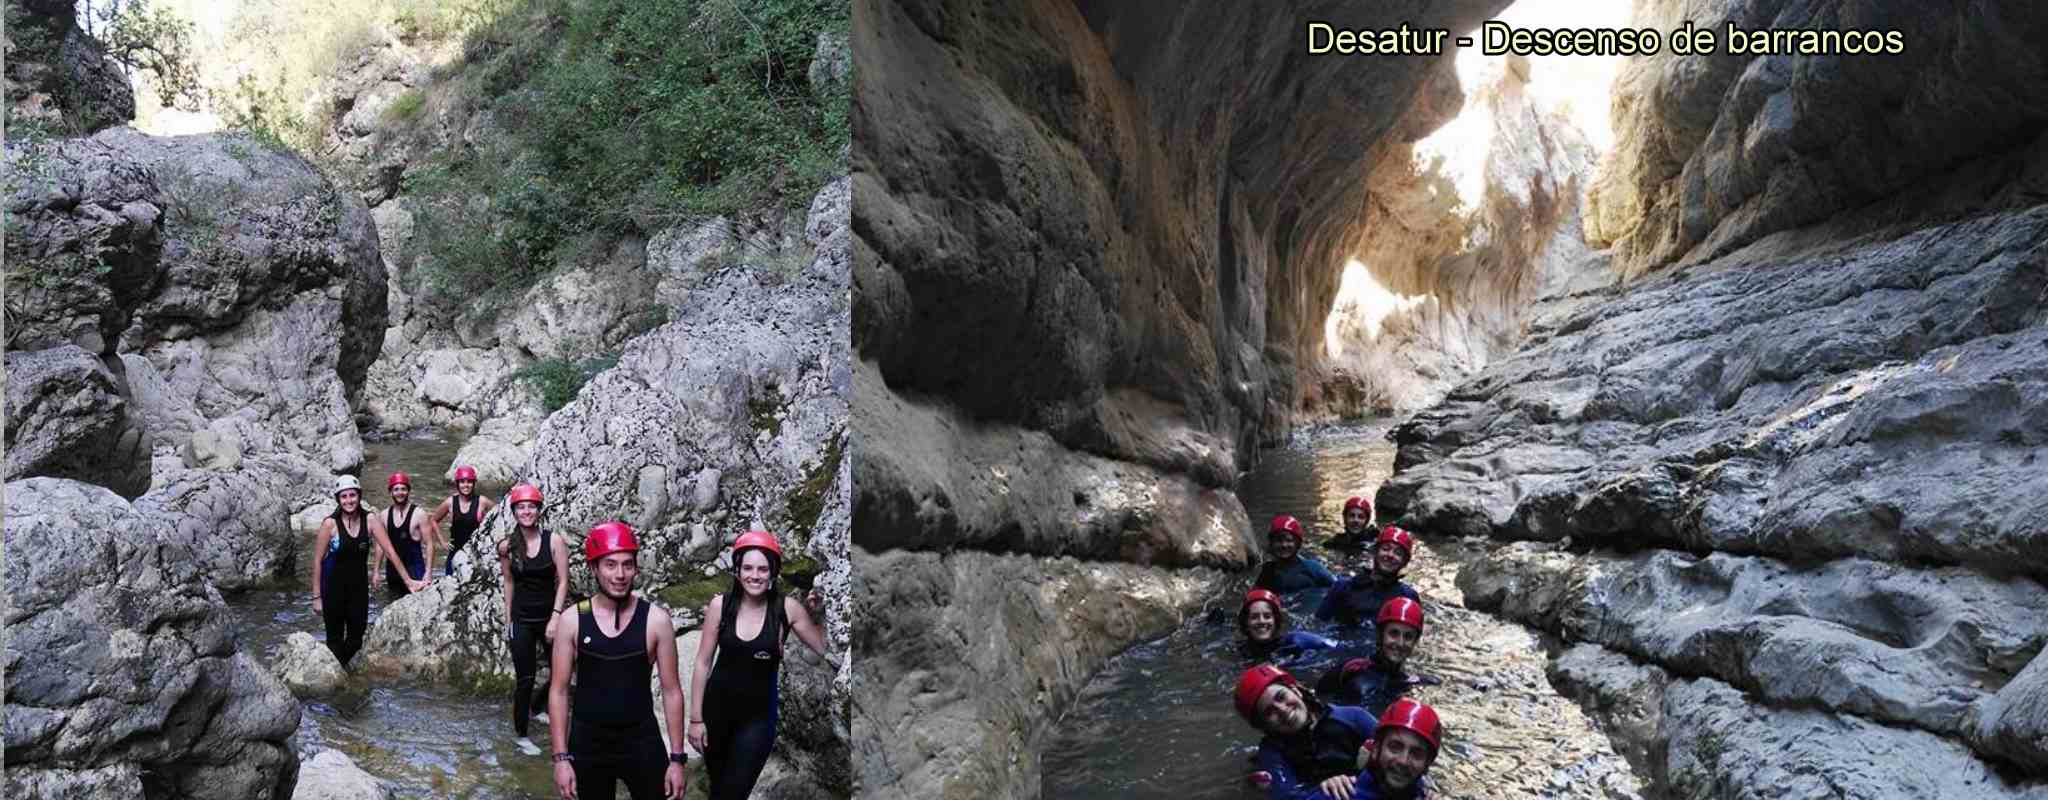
462	524
1365	683
612	731
533	601
408	546
345	587
742	700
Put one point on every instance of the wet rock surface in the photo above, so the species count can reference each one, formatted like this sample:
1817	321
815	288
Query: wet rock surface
965	656
123	677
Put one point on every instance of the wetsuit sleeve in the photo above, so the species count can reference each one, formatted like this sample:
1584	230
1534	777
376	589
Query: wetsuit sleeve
1308	641
1285	785
1327	610
1321	573
1409	592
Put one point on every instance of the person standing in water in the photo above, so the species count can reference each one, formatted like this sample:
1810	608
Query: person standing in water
341	581
1358	534
412	538
734	704
1372	683
1356	599
464	511
1263	622
1288	570
616	640
535	567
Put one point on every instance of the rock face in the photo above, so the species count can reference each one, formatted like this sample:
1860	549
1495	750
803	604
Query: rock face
1719	151
1095	254
242	299
57	75
732	418
1806	454
66	419
123	677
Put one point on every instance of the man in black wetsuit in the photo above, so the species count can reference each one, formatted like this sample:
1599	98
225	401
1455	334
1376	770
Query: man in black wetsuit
618	639
1373	683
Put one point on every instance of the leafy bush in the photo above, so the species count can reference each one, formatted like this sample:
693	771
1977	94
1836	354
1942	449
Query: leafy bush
559	379
406	107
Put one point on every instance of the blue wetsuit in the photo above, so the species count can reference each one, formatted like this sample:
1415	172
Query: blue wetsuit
1287	646
1364	683
1298	762
1294	575
1356	600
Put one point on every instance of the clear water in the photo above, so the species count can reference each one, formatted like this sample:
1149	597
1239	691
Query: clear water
1158	720
426	740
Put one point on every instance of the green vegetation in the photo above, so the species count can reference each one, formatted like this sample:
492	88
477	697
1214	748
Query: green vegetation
559	379
406	107
642	116
761	410
807	502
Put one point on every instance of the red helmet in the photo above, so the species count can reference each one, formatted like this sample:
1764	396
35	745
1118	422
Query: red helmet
396	480
1359	503
608	538
525	493
1401	610
465	473
1253	684
1400	537
761	539
1415	717
1262	595
1286	523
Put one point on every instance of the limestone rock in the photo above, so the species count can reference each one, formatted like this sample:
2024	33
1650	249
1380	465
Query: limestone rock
114	632
831	63
330	775
66	418
308	667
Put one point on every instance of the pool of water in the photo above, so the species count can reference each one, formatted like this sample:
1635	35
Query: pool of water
1508	734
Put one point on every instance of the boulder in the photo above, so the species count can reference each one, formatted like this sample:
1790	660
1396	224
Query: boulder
330	775
66	418
123	674
308	668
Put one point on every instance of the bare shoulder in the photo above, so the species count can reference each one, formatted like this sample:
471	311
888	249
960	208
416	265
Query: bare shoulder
712	608
657	615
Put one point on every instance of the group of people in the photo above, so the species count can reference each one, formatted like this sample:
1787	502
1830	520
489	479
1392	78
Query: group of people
1355	735
599	711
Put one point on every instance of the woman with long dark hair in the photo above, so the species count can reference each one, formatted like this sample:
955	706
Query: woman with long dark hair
535	567
734	703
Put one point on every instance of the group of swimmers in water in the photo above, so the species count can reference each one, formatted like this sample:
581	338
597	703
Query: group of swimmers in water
598	707
1355	735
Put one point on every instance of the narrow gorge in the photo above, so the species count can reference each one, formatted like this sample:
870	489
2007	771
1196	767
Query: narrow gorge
1739	407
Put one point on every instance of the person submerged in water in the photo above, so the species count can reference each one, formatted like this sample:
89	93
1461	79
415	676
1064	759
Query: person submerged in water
1372	683
1309	746
1358	535
1263	622
1357	599
1288	570
412	539
464	512
1404	744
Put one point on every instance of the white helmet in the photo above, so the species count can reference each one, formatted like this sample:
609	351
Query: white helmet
346	483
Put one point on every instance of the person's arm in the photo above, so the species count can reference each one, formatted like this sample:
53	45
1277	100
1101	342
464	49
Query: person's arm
807	630
561	664
662	630
427	546
320	544
561	556
377	553
441	511
488	505
505	570
700	672
1285	785
1321	573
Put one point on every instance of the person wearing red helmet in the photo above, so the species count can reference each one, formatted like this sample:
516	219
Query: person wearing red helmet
1288	570
1263	622
734	703
1358	535
618	640
1373	682
1356	599
463	512
1404	744
535	569
412	538
341	583
1311	748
